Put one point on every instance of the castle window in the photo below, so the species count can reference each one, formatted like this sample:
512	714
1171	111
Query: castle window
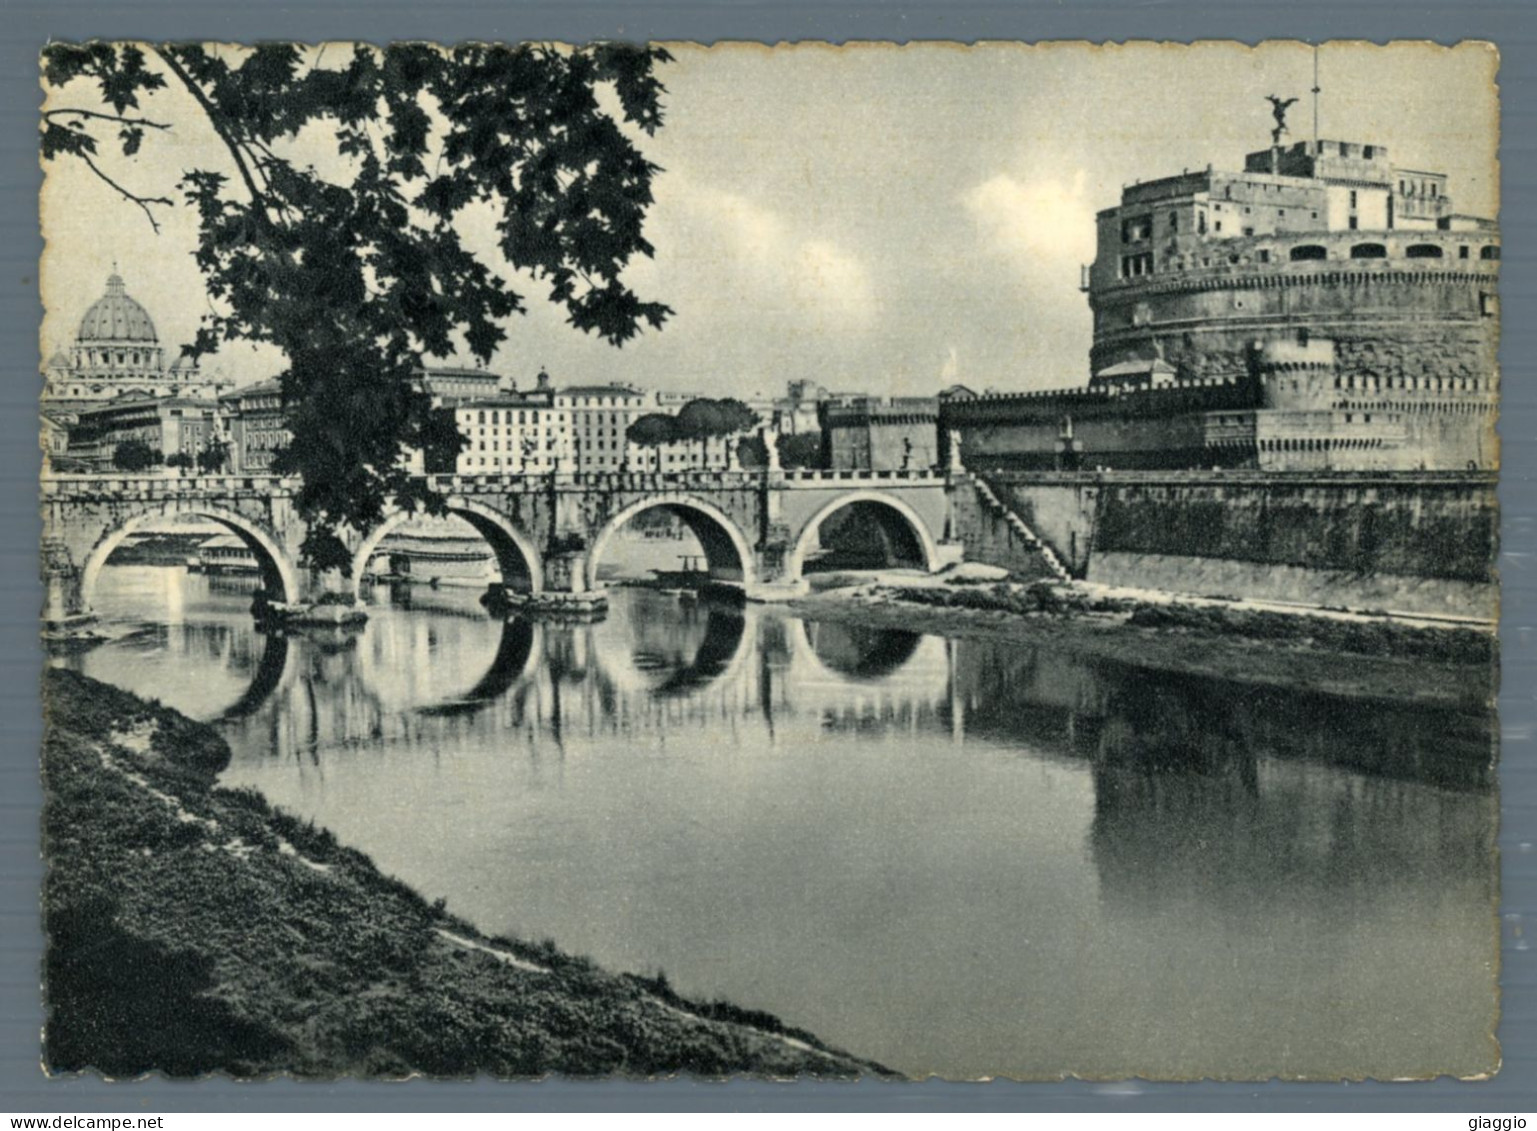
1219	225
1354	224
1173	221
1462	252
1422	251
1367	151
1264	255
1489	305
1489	251
1352	198
1248	231
1309	251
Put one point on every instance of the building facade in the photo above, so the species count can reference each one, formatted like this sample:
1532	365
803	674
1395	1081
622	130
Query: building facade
578	429
169	426
252	418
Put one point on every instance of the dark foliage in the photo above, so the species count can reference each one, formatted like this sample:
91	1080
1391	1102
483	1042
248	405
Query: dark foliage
359	274
804	449
213	457
705	418
135	455
652	430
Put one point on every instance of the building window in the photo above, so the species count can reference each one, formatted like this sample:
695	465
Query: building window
1264	255
1248	231
1352	198
1462	252
1367	151
1219	225
1353	224
1309	251
1489	251
1423	251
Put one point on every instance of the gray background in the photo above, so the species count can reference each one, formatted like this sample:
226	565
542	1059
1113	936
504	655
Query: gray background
26	25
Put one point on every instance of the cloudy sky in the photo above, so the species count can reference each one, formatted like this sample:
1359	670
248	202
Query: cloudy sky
875	218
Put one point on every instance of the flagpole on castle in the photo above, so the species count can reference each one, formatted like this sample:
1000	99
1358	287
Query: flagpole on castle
1315	100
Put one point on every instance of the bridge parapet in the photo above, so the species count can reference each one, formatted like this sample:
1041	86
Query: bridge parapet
820	477
157	486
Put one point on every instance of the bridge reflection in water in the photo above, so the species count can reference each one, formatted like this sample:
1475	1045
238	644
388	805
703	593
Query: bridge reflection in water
947	854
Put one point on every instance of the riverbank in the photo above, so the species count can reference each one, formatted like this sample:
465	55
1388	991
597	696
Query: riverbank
1316	650
195	929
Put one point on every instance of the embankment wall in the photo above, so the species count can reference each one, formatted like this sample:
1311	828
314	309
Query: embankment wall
1418	542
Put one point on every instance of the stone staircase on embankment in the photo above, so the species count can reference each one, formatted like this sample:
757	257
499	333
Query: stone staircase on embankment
1019	533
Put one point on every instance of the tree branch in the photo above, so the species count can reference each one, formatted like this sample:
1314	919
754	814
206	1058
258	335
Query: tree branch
216	119
142	201
76	112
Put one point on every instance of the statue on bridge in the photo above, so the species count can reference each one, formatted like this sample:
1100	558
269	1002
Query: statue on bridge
954	446
771	449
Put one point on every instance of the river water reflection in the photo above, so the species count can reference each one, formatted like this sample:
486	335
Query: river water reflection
948	855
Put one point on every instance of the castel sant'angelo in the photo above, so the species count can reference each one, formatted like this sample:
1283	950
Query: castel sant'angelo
1321	310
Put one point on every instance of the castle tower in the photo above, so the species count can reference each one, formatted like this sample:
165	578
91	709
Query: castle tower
1297	376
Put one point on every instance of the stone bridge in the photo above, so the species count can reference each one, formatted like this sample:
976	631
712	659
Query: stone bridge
549	533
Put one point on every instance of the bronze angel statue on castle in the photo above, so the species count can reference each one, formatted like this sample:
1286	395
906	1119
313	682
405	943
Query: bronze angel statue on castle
1278	107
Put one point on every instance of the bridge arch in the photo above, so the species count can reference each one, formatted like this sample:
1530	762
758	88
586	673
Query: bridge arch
515	552
279	577
727	552
892	506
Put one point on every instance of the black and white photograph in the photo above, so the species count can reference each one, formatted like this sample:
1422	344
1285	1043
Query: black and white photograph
795	562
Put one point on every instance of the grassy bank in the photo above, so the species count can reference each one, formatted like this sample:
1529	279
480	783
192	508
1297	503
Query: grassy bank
194	929
1450	666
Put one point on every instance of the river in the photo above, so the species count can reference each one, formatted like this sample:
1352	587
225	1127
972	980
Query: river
952	856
